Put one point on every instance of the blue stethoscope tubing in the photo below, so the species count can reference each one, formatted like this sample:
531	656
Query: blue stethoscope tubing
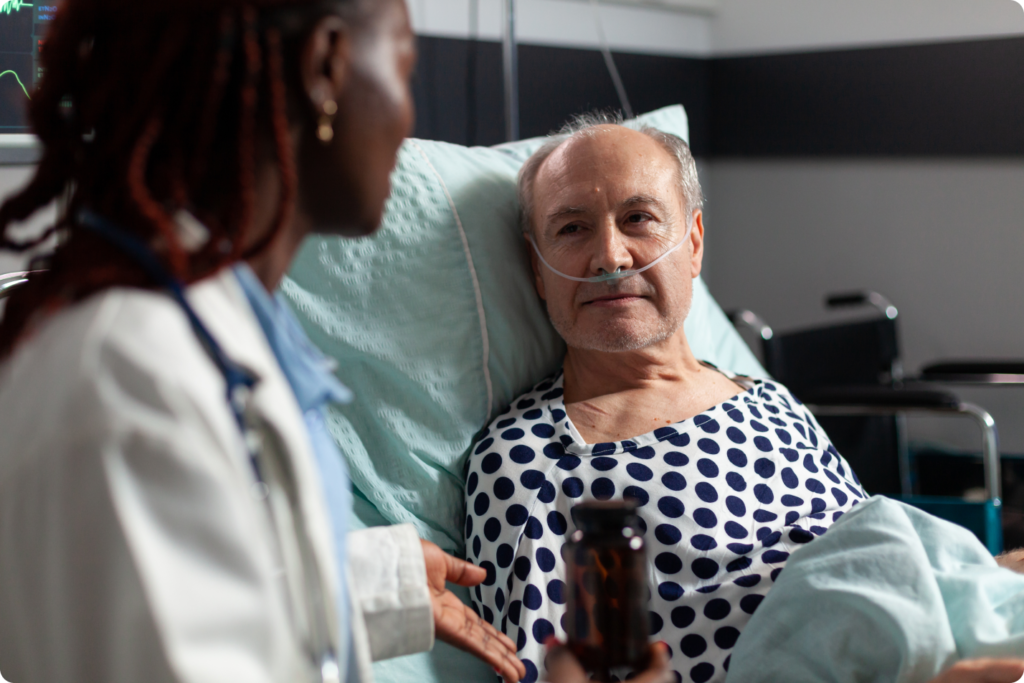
238	380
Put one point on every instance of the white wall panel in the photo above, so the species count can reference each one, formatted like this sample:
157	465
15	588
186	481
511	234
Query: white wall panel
760	26
571	23
729	27
943	239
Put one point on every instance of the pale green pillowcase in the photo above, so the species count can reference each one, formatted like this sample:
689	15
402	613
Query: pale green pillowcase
436	327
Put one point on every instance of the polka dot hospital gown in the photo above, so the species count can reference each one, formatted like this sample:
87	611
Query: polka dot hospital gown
724	497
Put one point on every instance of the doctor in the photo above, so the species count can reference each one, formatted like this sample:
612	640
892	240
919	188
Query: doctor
171	507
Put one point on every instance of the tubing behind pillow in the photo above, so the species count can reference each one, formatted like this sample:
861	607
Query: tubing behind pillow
436	327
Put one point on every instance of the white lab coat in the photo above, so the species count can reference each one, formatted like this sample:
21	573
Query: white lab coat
132	547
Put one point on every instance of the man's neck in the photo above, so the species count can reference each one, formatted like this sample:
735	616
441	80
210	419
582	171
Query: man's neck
615	396
592	374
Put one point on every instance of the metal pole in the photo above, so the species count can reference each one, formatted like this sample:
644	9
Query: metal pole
989	450
903	455
510	56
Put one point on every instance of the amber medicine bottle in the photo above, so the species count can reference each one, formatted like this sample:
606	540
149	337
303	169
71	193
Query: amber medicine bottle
607	614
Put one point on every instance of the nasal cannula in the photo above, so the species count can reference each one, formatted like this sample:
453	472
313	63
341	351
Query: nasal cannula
615	275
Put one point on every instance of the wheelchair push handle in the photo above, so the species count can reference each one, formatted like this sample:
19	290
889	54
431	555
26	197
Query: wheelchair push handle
845	299
752	321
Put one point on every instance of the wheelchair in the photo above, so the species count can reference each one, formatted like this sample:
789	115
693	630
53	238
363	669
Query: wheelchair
851	377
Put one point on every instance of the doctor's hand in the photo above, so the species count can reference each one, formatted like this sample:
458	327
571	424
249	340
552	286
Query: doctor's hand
982	671
458	625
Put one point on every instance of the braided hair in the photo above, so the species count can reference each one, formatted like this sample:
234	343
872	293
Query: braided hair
149	107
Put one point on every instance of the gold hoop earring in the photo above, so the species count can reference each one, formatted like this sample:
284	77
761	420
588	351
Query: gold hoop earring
325	128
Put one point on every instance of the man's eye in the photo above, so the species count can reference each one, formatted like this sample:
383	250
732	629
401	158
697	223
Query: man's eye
637	217
569	229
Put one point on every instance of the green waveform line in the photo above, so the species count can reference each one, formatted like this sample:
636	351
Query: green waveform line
11	6
17	78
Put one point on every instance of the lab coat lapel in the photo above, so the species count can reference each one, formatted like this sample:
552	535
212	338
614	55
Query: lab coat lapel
222	305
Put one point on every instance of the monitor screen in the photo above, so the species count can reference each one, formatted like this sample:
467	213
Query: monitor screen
23	26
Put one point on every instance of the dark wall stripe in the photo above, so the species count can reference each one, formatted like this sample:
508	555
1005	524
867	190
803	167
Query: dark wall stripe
953	99
457	105
454	101
559	82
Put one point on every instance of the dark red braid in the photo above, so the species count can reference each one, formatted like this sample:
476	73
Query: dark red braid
147	205
279	120
215	92
247	124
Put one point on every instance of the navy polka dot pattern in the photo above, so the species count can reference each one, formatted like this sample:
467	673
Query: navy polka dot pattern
724	498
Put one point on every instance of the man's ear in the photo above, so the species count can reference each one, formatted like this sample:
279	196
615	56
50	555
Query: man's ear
697	243
325	61
538	281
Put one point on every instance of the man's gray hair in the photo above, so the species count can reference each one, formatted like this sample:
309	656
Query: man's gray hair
583	124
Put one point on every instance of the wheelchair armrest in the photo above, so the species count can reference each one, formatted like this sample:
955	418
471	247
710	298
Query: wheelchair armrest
873	400
975	372
882	398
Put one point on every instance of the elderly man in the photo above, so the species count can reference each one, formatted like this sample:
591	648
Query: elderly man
730	474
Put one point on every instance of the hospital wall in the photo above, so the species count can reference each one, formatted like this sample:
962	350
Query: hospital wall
743	27
895	168
458	84
732	27
942	238
875	145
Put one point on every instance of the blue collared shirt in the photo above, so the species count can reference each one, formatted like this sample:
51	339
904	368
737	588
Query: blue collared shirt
312	379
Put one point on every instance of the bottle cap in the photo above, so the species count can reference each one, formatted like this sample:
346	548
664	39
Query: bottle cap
596	517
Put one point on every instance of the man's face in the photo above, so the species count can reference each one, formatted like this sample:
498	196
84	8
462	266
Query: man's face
604	201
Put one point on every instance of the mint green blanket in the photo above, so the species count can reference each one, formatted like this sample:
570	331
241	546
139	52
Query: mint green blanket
890	593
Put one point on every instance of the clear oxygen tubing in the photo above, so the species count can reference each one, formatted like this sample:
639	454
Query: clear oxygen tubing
618	274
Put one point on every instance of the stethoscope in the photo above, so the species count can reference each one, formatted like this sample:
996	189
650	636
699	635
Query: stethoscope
240	383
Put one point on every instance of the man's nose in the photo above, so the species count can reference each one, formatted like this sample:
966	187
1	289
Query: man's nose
610	252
